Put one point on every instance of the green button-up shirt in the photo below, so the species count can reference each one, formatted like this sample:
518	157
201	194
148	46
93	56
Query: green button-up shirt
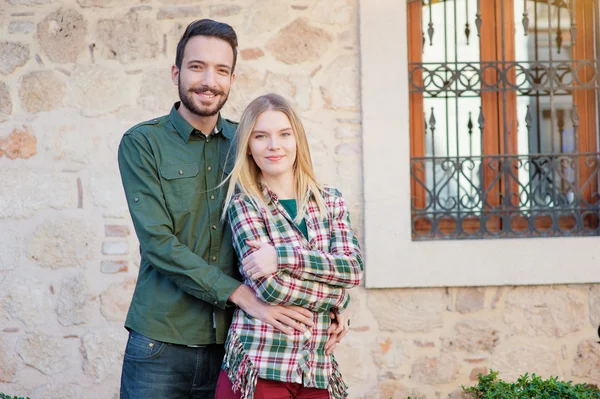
188	268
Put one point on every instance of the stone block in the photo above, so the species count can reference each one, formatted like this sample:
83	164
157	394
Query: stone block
115	247
61	242
116	299
75	143
163	93
515	360
9	363
5	103
264	16
61	35
356	373
104	3
128	39
248	54
12	56
545	311
348	149
11	248
472	336
224	10
392	389
27	192
61	390
100	90
435	370
26	299
295	88
190	12
72	300
390	355
107	193
28	2
42	91
20	27
469	300
114	266
43	352
587	361
335	12
21	143
408	310
347	131
595	305
341	87
116	230
299	43
103	353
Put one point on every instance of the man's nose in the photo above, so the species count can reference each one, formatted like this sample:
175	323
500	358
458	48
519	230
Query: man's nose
208	77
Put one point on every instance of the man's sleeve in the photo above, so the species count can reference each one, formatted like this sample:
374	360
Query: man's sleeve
154	227
280	288
342	266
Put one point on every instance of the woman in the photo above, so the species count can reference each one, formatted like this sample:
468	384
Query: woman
297	248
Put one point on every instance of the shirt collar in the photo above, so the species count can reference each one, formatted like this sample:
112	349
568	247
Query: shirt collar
184	128
267	193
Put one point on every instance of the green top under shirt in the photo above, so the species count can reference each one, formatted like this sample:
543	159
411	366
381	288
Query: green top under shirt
292	210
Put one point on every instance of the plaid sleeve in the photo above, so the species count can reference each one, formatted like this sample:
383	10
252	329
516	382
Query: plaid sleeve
248	223
342	266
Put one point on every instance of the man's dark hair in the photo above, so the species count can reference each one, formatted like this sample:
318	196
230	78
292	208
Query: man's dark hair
207	27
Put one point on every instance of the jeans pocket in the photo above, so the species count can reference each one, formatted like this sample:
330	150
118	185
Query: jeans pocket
141	347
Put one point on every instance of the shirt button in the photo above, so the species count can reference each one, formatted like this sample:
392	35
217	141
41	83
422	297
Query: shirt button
212	197
209	168
180	171
214	227
216	303
136	199
214	258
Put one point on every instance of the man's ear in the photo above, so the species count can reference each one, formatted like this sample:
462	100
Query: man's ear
175	75
232	78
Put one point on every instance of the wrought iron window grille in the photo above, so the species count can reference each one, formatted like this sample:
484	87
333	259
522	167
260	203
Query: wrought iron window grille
507	145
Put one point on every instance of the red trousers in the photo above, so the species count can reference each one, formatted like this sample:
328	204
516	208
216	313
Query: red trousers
268	389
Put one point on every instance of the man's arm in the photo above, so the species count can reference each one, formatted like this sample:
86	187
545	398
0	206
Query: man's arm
155	230
247	224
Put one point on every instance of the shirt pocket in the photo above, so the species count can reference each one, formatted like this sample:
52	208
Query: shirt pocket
180	185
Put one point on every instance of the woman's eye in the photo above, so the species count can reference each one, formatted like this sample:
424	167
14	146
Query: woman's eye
286	134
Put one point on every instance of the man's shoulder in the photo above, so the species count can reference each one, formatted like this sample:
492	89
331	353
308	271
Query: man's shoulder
231	121
148	127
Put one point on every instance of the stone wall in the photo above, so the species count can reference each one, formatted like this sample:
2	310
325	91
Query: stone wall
75	74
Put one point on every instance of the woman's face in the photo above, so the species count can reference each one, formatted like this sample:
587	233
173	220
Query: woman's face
273	145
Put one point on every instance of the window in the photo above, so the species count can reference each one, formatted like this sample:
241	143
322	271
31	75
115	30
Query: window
504	118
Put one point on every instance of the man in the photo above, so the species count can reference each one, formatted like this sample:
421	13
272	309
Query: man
171	168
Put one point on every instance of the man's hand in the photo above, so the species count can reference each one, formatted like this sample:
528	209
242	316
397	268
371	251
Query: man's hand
284	318
337	330
262	262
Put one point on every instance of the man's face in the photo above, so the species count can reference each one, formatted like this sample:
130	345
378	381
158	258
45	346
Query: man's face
205	76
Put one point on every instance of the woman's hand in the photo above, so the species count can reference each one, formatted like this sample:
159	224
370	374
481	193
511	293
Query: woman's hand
262	262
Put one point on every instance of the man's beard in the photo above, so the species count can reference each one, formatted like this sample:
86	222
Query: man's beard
187	98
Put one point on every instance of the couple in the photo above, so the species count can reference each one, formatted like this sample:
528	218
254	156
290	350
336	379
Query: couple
199	202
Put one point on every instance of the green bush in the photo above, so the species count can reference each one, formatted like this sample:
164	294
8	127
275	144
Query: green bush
528	387
4	396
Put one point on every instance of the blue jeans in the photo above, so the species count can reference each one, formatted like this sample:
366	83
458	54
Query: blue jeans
154	369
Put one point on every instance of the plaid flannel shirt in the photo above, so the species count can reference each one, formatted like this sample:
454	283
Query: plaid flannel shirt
313	273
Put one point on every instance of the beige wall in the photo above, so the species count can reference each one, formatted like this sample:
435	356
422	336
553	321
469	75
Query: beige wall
75	74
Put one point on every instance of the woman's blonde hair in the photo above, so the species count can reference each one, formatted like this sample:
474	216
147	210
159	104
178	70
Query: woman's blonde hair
245	175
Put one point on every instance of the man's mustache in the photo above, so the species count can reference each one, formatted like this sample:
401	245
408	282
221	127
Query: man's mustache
203	89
